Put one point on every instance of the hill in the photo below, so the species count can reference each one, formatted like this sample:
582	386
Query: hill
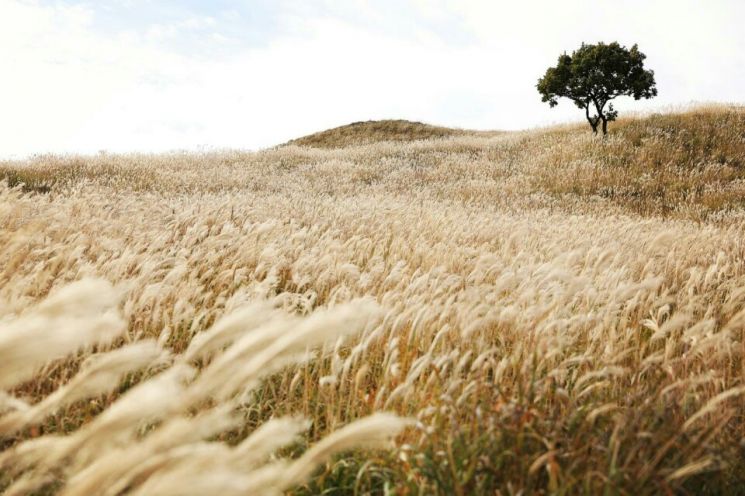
559	313
360	133
688	164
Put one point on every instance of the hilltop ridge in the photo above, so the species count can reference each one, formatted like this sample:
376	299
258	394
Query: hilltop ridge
364	132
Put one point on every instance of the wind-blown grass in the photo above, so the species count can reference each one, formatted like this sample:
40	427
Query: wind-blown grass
554	319
156	437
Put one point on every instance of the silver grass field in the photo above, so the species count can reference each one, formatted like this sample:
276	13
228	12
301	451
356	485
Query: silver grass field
542	312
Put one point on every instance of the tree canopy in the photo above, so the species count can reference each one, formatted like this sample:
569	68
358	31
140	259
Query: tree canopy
593	75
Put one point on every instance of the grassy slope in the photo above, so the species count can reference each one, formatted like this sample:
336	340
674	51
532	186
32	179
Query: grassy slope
686	165
567	253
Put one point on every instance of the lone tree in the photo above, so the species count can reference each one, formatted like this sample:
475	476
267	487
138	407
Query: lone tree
593	76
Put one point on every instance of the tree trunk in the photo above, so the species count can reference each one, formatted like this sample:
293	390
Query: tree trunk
593	122
599	106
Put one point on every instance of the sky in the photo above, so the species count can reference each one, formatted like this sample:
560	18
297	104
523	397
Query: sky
141	75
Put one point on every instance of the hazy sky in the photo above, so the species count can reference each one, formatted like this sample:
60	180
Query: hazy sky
124	75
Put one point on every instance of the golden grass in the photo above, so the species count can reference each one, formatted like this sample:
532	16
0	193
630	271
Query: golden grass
559	313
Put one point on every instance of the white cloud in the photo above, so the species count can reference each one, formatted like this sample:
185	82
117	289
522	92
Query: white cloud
73	86
61	74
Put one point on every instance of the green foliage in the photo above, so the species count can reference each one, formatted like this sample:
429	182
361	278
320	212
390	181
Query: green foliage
356	473
596	74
